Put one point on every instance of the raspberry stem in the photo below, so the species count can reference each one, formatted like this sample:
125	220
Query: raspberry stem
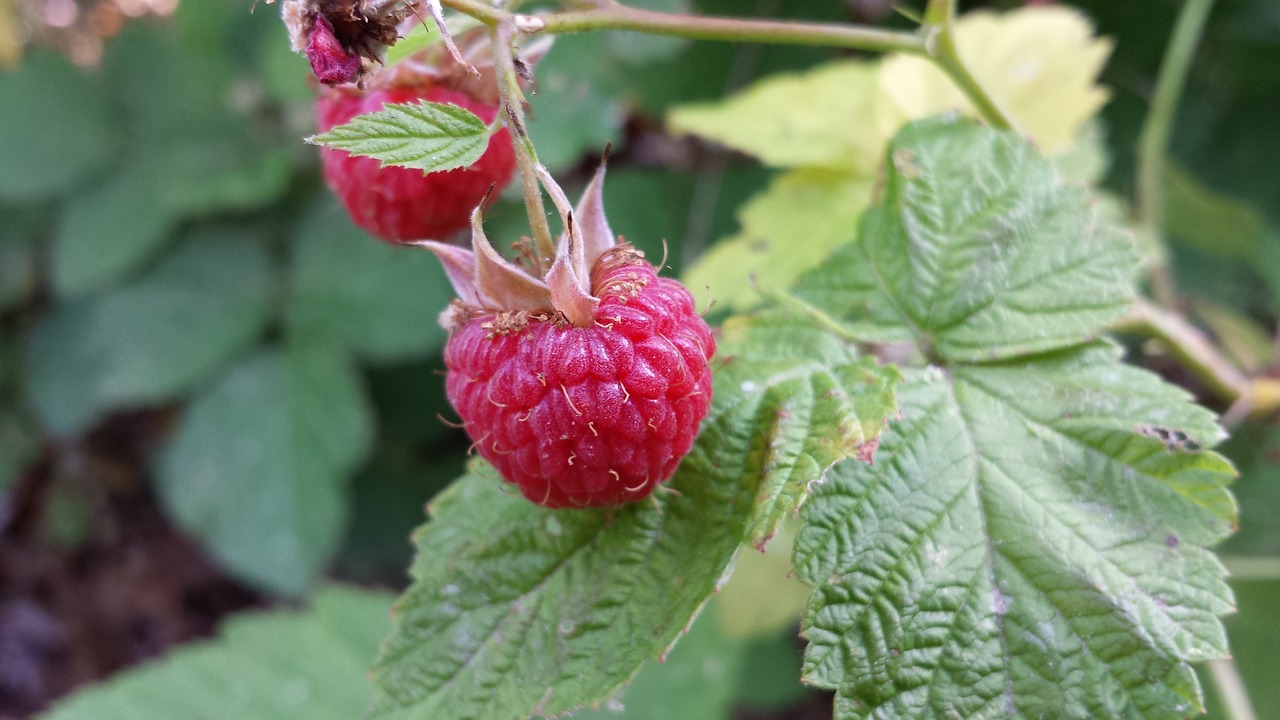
501	35
1153	143
940	46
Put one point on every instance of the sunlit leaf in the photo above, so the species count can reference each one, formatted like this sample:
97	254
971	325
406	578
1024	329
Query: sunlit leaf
790	227
1040	63
821	118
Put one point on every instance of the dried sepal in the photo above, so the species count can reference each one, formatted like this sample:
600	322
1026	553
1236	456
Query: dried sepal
342	36
459	266
500	284
570	280
597	236
346	42
487	282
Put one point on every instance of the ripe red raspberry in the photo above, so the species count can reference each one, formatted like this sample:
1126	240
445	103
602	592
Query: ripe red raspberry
402	204
584	380
579	416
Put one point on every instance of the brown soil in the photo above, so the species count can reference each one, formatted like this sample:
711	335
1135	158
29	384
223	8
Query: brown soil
92	577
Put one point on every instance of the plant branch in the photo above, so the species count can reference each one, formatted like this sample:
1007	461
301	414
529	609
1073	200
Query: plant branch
935	40
1194	351
526	157
939	27
1153	143
613	16
1230	686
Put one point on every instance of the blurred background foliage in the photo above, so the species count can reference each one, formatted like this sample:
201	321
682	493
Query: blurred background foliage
215	392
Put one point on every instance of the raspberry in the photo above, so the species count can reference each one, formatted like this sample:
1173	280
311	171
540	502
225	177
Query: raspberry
579	416
583	385
403	204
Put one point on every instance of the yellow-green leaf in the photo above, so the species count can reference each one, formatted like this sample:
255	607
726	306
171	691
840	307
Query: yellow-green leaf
821	118
787	229
1040	63
10	41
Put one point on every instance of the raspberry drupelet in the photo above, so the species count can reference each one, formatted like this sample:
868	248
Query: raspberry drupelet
583	388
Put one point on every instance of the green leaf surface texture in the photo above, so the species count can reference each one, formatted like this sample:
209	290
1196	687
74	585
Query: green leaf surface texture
257	467
432	137
264	666
980	251
518	610
1032	538
697	679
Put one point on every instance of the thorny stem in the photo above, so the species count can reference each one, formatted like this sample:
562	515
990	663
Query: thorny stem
526	157
1193	350
1153	144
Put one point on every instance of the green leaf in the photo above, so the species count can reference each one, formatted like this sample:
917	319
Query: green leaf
168	94
155	338
517	609
979	249
1018	550
696	680
789	228
817	119
56	128
1087	159
422	36
1032	538
263	666
1040	63
432	137
111	230
257	468
809	402
193	153
377	300
107	230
